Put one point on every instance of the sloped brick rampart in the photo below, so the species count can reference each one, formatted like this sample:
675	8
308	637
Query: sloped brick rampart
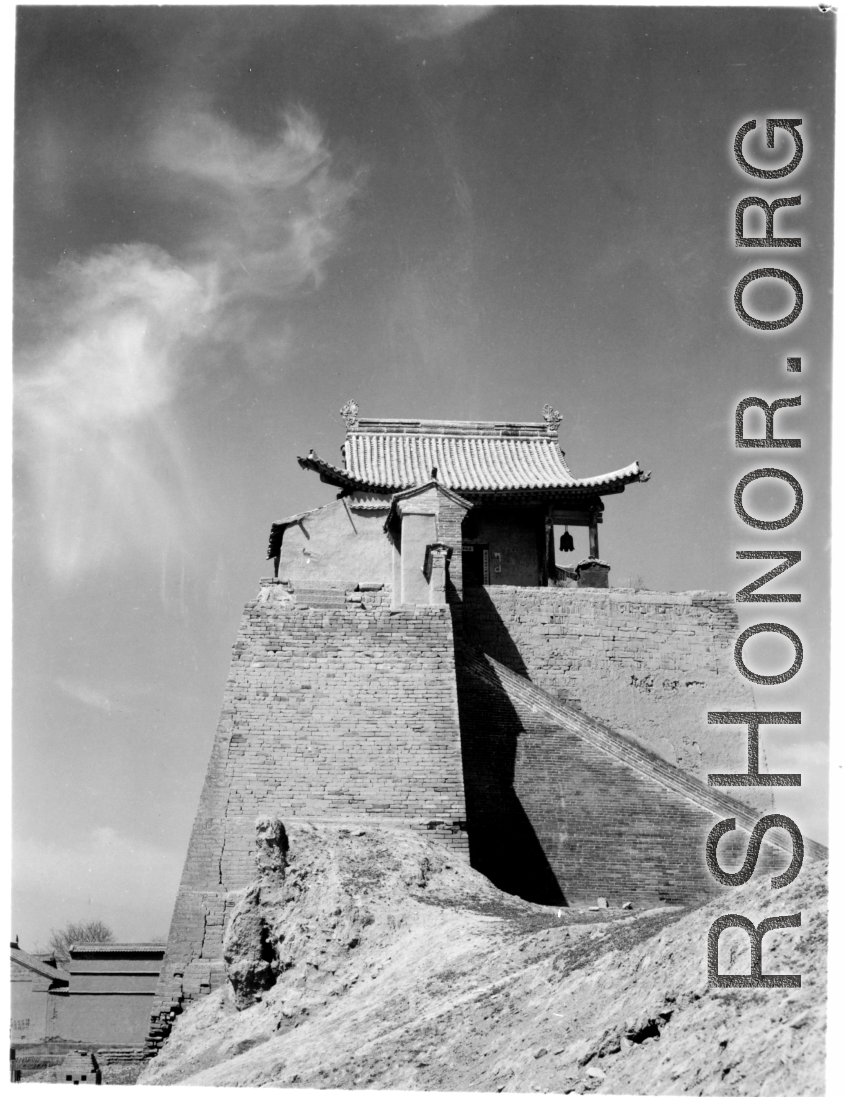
562	808
337	707
647	663
340	707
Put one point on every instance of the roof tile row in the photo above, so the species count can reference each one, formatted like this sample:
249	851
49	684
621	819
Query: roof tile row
391	454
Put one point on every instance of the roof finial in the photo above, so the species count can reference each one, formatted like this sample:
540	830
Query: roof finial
551	418
350	412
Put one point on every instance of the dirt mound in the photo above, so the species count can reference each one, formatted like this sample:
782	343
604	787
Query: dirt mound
374	958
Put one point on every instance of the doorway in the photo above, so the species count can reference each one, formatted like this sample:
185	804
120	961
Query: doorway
475	565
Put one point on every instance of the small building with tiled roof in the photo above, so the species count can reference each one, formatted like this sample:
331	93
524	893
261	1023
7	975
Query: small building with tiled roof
400	483
99	999
35	984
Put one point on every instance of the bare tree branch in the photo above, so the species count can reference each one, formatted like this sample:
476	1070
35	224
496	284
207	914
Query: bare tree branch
61	939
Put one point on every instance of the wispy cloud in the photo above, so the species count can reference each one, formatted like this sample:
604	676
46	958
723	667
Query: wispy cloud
435	21
94	395
271	211
109	340
85	695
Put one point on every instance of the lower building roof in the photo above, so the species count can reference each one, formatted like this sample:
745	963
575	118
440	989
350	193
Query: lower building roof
84	948
36	966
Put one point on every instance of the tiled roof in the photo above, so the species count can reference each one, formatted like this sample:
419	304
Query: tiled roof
369	500
80	947
32	963
393	454
411	493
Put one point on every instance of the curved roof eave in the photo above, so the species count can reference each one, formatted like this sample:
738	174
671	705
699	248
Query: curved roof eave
599	485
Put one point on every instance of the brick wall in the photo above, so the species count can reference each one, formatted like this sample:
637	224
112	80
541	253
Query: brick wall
340	707
337	707
645	663
563	809
449	530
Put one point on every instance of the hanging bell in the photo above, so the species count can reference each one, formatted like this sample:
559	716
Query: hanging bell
566	542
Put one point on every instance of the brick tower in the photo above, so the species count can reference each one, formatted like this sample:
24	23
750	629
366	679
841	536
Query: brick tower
426	656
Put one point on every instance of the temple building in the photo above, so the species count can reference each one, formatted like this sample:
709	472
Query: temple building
438	506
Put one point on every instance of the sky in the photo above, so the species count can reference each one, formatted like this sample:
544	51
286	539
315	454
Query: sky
229	221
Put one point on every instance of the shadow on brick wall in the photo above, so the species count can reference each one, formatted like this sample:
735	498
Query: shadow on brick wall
484	628
503	844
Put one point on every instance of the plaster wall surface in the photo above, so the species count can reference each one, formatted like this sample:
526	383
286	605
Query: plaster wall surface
105	1018
418	532
648	664
30	1007
337	707
335	543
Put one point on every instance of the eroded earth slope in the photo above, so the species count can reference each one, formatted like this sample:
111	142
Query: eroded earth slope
375	959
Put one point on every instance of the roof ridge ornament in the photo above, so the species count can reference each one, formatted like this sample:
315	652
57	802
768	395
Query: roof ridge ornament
350	414
551	417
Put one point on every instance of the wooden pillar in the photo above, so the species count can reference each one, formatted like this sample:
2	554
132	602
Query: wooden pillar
540	548
549	550
593	542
